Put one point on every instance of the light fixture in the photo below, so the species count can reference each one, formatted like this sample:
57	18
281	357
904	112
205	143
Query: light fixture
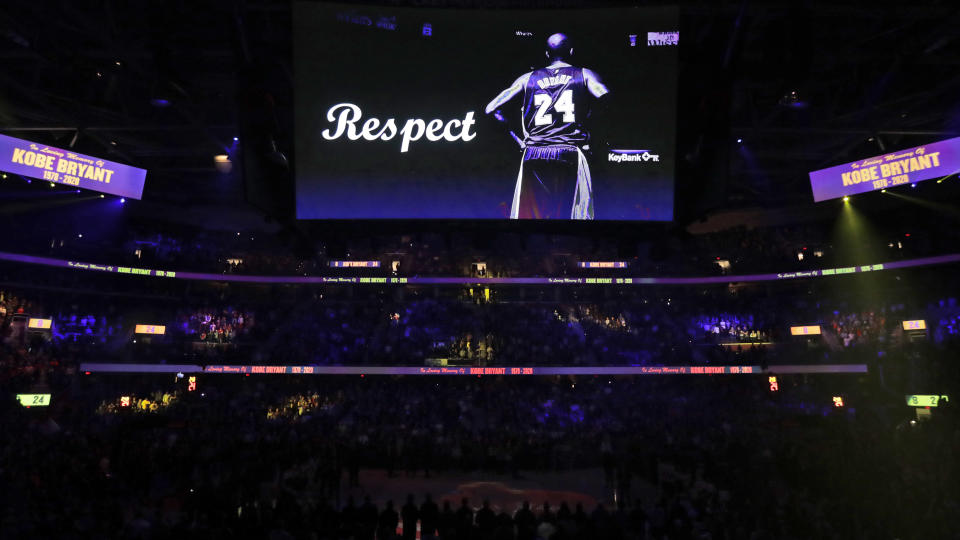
222	163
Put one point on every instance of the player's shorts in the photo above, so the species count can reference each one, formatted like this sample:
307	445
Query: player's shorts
553	183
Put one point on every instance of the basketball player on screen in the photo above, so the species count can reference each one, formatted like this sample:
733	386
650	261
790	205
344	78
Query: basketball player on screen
554	179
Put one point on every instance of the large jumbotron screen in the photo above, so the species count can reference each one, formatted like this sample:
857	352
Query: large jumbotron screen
485	114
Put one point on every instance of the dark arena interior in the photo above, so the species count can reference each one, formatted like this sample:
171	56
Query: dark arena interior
479	270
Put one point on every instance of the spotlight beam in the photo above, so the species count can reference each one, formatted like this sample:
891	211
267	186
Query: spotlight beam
945	209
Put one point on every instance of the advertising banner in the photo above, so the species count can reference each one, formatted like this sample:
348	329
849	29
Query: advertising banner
69	168
934	160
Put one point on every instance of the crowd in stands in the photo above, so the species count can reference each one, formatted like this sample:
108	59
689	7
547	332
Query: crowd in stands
210	325
693	457
730	327
157	401
633	327
459	252
946	314
71	318
123	456
860	327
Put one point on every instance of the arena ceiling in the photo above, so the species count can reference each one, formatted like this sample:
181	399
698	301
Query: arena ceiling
167	85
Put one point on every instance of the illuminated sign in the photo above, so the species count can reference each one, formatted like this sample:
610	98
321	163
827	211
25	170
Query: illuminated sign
355	264
124	401
804	330
774	385
441	280
39	324
603	264
470	370
780	369
192	383
662	39
346	116
34	400
919	324
69	168
150	329
837	401
926	400
889	170
433	150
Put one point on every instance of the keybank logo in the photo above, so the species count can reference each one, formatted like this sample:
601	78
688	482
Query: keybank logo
626	156
663	39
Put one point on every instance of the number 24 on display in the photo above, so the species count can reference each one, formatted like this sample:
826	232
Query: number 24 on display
563	104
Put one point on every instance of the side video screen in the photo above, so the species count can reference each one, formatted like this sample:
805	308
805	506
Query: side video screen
475	114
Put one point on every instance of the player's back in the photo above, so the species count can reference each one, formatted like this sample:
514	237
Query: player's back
555	104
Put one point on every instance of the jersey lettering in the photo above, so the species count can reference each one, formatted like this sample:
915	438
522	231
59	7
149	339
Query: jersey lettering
555	103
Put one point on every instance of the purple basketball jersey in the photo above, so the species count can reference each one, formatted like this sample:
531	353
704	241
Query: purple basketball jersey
555	104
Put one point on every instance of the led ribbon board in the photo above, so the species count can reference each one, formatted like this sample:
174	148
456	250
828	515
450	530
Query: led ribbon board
150	329
919	324
34	400
804	330
603	264
70	168
355	264
441	280
469	370
926	400
39	324
886	171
